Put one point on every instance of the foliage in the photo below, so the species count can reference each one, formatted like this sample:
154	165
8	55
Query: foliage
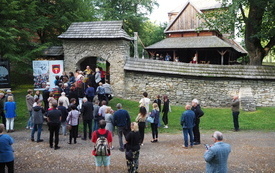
253	19
133	13
31	26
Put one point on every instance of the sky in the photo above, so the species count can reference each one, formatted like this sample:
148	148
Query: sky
160	14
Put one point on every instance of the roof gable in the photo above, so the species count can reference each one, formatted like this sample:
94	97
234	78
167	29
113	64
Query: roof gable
186	20
95	29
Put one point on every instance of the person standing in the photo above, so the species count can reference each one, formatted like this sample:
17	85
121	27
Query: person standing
158	101
122	121
90	93
102	160
6	151
235	107
64	99
97	77
29	102
46	95
198	114
54	121
165	111
145	101
2	104
100	91
109	118
133	144
187	123
102	111
10	107
64	113
216	156
87	117
108	90
37	117
154	126
141	119
95	114
72	119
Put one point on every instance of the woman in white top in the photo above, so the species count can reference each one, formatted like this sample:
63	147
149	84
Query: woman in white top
145	102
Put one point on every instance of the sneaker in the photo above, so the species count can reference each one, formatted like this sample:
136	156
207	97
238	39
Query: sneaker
183	146
32	140
197	143
121	149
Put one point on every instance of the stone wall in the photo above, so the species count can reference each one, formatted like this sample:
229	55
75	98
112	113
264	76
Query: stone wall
212	92
114	51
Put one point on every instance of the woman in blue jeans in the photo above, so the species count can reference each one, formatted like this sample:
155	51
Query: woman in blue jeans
154	126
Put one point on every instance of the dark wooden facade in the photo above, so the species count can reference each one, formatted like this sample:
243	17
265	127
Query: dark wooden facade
212	47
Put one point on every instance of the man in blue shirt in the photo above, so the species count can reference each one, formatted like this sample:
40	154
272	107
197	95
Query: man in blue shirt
122	121
187	122
216	156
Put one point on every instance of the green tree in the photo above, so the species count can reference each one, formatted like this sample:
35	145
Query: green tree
255	21
27	27
132	12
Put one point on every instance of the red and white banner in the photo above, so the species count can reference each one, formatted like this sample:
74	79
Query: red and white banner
45	71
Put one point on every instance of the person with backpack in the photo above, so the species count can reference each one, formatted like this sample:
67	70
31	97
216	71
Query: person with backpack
102	139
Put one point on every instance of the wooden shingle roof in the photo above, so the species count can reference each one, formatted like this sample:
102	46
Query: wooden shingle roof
95	30
194	43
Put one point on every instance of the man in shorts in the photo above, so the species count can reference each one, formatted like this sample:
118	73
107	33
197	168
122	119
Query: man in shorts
102	160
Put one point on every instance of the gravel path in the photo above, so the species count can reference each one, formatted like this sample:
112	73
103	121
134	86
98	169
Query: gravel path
252	151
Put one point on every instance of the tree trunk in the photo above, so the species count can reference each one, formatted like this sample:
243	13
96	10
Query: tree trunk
256	56
253	27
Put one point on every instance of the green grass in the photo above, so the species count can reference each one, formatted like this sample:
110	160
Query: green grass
213	119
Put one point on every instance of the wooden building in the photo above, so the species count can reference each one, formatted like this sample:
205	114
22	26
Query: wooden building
184	41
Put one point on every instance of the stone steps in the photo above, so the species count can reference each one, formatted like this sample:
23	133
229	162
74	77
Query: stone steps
206	70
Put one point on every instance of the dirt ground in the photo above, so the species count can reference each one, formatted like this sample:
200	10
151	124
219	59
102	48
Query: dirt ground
252	151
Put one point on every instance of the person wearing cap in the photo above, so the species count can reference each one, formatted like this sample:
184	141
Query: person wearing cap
8	93
216	156
2	102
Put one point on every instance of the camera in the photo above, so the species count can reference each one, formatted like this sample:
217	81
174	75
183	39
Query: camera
207	146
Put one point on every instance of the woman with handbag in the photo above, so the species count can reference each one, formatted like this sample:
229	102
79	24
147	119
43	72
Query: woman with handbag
141	119
72	120
132	148
154	124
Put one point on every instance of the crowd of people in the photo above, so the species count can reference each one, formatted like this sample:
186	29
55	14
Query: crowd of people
86	97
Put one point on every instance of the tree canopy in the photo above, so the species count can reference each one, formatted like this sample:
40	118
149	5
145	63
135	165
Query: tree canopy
30	26
254	20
